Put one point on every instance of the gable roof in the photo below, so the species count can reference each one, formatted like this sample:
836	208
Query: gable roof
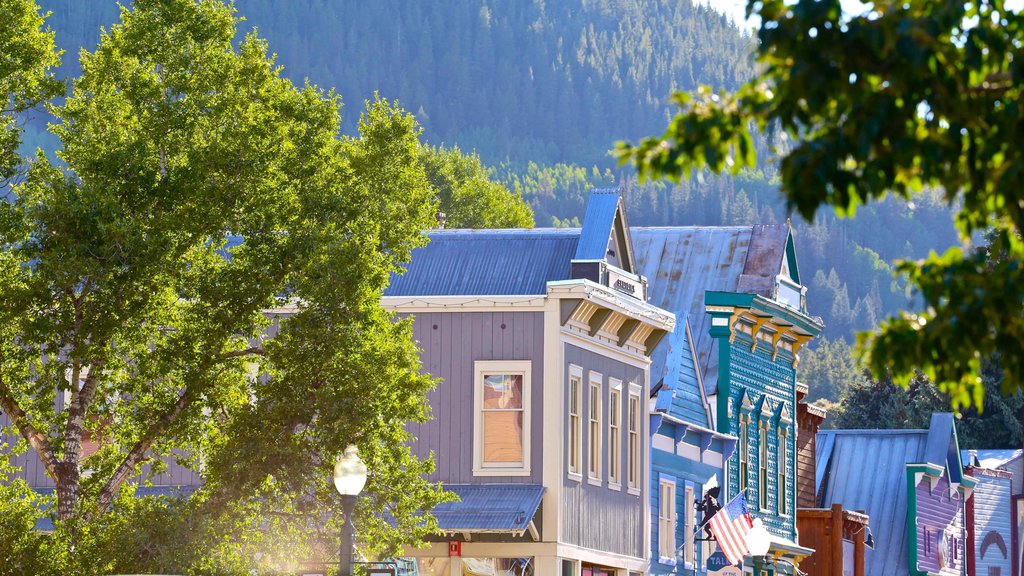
605	222
682	263
866	470
487	263
681	395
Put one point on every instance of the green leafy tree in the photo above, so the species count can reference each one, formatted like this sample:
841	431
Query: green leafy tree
127	317
912	94
468	196
29	55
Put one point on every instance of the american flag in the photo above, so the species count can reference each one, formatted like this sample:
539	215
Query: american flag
730	527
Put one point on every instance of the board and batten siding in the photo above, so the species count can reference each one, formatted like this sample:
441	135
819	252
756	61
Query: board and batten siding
450	343
599	517
940	528
992	530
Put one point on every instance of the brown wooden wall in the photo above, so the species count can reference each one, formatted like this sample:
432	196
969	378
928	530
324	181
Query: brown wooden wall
807	429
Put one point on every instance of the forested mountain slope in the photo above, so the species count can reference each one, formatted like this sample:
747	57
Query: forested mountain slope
543	88
548	81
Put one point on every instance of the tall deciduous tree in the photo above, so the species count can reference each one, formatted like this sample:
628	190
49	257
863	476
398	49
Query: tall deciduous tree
29	55
468	195
128	316
911	94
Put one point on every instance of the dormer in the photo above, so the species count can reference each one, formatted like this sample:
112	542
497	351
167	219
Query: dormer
788	290
604	254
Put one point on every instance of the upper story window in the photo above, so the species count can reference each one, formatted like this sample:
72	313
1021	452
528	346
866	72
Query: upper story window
614	433
762	466
783	465
742	450
594	428
502	418
633	441
575	404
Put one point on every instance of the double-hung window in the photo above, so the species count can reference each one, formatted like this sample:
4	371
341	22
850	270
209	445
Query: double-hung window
783	464
667	519
575	405
614	433
594	428
762	465
744	454
633	445
502	418
688	522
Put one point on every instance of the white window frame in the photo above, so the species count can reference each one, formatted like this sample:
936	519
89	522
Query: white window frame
688	524
514	367
595	386
666	520
634	430
574	423
615	434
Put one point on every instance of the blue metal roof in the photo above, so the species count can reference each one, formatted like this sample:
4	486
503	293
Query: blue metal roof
489	507
597	224
487	263
866	470
45	523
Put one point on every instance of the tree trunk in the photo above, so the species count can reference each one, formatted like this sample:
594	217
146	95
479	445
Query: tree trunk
68	482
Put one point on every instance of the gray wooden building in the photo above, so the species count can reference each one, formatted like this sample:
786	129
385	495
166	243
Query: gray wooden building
542	339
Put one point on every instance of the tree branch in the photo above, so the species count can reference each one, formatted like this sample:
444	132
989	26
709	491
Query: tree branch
138	452
39	442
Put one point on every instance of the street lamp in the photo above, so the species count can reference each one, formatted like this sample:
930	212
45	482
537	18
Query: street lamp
758	541
349	478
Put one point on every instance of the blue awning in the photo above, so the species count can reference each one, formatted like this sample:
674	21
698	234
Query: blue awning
489	507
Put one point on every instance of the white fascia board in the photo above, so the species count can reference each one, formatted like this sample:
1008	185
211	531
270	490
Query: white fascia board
462	303
608	298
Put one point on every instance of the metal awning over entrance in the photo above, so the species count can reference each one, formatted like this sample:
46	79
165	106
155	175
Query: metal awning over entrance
490	508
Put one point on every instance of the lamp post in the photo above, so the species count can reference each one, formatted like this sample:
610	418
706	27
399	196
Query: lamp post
349	478
758	541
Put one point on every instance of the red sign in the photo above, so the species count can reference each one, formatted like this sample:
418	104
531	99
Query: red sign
455	548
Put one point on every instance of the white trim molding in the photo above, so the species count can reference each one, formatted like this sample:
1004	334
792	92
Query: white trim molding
463	303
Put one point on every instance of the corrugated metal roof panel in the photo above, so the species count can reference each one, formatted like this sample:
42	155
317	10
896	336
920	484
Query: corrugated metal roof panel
681	264
489	507
597	224
866	470
487	263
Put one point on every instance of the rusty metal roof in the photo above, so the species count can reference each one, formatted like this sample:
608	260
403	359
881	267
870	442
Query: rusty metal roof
682	263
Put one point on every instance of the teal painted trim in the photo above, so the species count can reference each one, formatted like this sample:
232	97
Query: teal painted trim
758	302
736	299
724	387
794	270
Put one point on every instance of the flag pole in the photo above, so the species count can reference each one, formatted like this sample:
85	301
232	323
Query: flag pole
704	523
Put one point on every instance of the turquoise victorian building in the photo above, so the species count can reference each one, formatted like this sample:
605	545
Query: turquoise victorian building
740	292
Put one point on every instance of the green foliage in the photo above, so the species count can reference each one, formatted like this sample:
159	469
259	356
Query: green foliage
870	403
468	196
828	369
176	136
26	68
913	95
